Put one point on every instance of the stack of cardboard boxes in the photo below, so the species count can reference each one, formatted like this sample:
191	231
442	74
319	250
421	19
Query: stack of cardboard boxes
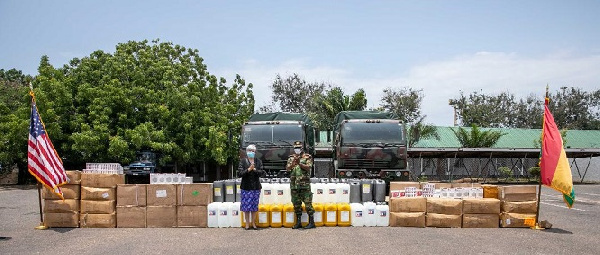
519	206
481	213
131	206
408	212
161	209
444	212
59	213
98	199
192	200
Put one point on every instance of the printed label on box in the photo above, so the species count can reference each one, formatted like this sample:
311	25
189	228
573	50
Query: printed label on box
371	211
223	212
262	217
358	214
212	213
238	190
105	195
229	190
366	188
318	216
280	192
331	191
161	193
218	192
276	217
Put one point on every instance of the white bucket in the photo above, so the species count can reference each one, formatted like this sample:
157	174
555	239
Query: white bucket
383	215
357	211
213	214
235	220
369	214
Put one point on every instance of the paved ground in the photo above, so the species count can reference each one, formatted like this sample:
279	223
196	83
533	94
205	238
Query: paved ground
575	231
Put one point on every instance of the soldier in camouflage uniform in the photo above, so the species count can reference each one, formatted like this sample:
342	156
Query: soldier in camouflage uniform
299	165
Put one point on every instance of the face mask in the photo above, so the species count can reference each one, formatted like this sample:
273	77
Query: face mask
297	151
250	154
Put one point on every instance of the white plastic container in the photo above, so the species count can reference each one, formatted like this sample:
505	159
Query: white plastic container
342	193
213	214
224	215
370	215
235	220
357	215
319	195
383	215
330	192
267	196
281	193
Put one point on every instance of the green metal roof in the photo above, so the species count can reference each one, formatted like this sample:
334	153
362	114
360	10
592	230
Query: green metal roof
514	138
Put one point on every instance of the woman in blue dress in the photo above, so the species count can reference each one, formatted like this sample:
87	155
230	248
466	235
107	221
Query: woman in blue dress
250	170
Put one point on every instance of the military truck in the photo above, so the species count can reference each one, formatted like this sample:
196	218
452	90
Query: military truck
274	135
370	144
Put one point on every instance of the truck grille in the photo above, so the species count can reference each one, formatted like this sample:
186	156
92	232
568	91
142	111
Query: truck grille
279	164
366	163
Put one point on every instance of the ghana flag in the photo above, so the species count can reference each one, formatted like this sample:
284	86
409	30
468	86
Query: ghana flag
554	166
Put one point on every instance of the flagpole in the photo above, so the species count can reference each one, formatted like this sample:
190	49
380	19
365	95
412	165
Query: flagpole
39	185
537	212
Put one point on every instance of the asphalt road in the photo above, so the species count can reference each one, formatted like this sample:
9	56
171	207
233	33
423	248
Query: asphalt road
575	231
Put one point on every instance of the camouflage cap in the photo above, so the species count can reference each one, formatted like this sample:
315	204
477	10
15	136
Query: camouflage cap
297	144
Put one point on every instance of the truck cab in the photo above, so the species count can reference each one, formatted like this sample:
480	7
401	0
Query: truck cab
274	134
370	145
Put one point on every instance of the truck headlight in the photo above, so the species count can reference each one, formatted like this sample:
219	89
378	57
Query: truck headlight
348	173
146	168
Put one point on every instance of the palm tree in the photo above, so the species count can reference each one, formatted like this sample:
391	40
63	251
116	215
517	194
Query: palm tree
477	138
325	107
418	131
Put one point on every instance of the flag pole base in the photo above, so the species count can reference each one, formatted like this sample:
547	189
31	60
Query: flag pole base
537	227
41	226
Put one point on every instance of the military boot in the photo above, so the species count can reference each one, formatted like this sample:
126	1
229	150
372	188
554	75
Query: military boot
311	222
298	222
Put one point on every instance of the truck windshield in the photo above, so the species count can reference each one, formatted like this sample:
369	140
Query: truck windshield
354	132
280	134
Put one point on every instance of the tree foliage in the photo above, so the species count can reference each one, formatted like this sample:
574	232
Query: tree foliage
145	96
404	102
14	119
572	109
419	130
293	94
325	107
476	138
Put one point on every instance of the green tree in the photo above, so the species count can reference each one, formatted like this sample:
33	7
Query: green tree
324	108
145	96
14	120
405	103
419	130
476	138
293	94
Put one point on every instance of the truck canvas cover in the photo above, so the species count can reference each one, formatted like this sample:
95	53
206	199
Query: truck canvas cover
349	115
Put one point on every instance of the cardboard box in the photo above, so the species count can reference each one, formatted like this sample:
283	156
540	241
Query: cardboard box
518	193
519	207
408	204
57	206
403	219
490	191
91	220
397	186
438	185
443	220
466	185
131	217
517	220
98	194
161	216
70	191
448	206
161	195
92	206
192	216
481	220
102	180
481	206
74	176
61	220
194	194
131	195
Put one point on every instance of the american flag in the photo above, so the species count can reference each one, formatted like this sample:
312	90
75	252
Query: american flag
42	160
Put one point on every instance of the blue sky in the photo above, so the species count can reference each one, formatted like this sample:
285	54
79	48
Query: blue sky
441	47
